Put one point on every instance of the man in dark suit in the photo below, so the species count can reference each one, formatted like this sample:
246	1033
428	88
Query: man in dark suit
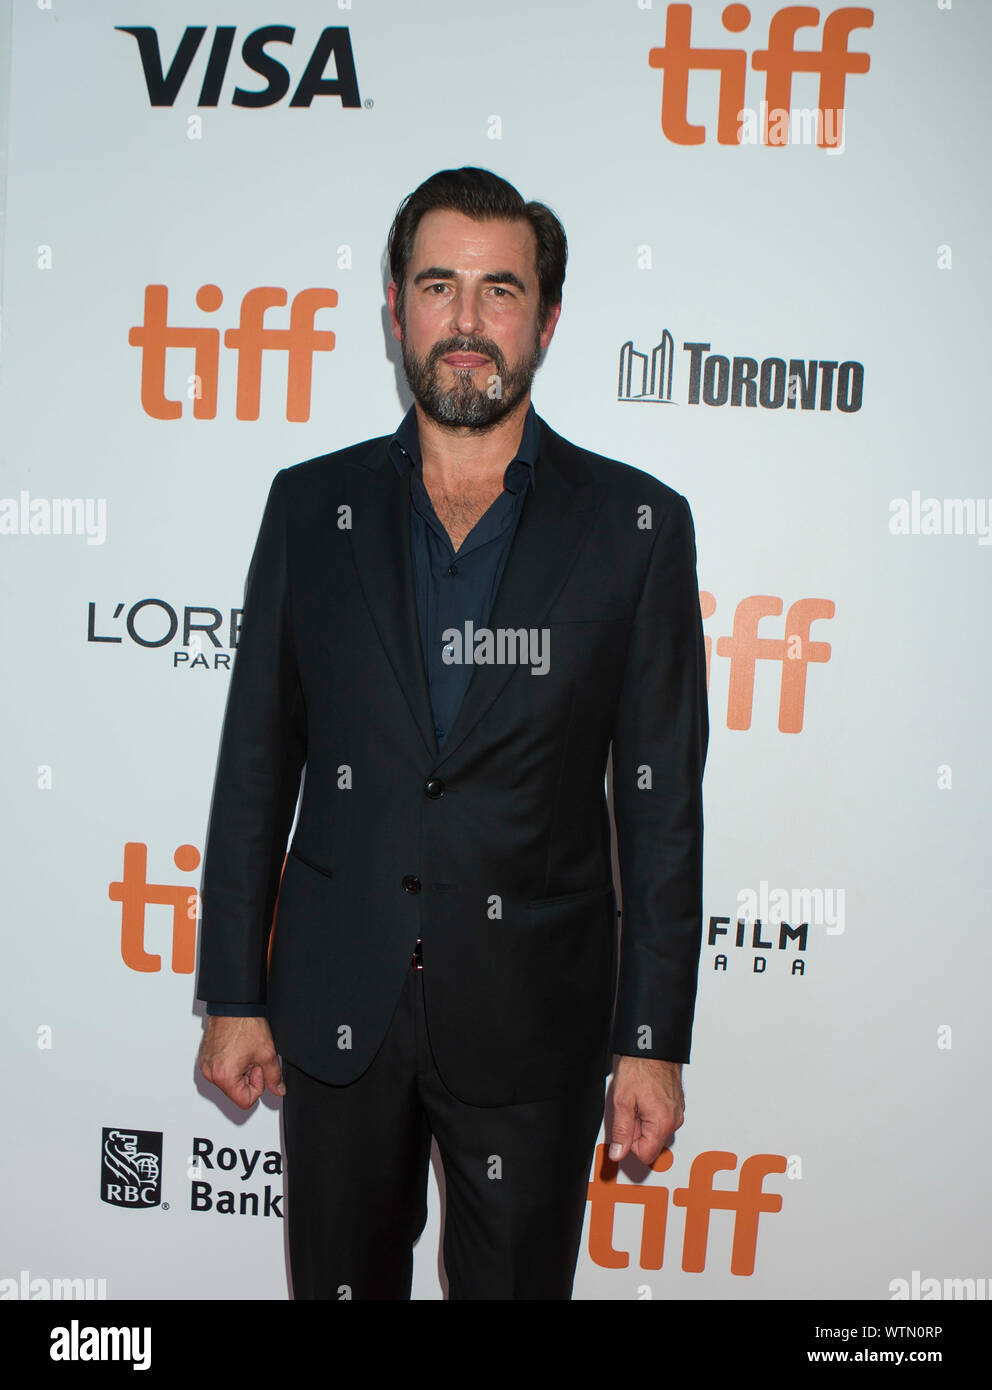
450	627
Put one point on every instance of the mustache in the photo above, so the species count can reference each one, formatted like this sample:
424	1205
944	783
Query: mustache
483	346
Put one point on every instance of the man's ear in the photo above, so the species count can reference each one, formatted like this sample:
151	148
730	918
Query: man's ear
550	324
392	298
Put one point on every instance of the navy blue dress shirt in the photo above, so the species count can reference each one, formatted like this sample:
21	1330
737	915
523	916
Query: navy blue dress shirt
455	587
451	587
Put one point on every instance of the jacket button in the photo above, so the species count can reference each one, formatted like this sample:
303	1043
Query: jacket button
411	883
434	788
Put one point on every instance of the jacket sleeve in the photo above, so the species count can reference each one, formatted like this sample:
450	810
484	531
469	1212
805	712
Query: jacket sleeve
262	753
659	751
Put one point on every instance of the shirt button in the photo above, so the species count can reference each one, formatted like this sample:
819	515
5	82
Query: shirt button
434	788
411	883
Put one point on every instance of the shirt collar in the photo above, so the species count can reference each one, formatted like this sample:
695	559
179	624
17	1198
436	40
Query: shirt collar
404	450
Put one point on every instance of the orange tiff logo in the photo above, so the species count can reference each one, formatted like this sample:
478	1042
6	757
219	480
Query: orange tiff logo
780	61
252	338
795	650
134	893
747	1202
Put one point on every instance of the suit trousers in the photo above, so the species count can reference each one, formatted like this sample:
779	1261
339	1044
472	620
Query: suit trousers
357	1158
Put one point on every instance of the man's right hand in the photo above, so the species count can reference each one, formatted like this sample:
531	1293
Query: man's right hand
239	1056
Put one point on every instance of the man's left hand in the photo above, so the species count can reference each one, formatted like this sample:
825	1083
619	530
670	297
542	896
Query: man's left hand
645	1105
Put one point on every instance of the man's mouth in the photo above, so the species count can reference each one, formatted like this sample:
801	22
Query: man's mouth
464	361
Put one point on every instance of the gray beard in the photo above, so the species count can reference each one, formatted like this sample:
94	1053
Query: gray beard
464	404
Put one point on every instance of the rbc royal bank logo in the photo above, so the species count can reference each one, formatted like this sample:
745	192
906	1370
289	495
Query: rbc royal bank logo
131	1172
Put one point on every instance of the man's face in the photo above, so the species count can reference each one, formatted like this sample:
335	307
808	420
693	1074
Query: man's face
468	326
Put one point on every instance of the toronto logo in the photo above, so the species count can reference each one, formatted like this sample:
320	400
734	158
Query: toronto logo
647	376
740	379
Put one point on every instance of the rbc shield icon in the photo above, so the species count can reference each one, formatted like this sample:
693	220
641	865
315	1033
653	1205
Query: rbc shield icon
131	1171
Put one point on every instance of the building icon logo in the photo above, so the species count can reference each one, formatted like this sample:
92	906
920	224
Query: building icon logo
647	377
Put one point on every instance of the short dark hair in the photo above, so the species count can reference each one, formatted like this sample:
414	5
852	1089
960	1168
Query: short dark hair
484	196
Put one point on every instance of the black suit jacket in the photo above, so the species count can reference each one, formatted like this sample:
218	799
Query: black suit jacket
496	850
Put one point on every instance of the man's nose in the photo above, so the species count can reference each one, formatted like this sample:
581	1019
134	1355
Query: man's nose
466	312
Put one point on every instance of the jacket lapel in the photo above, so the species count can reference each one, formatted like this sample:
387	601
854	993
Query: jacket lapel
380	537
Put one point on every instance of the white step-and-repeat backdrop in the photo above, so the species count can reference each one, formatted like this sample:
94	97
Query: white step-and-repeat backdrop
777	218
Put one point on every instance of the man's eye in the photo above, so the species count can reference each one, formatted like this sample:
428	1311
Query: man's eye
438	286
